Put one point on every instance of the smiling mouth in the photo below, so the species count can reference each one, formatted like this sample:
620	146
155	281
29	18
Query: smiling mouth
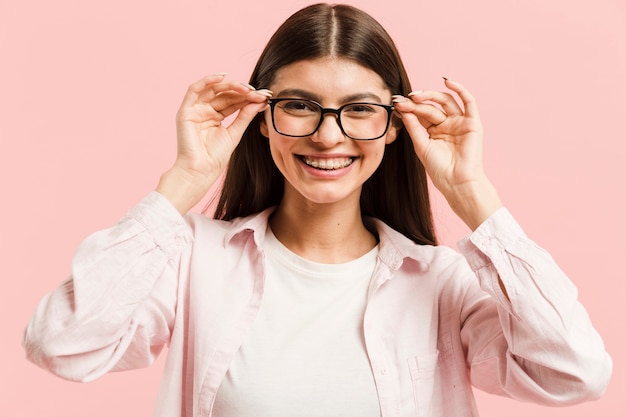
327	164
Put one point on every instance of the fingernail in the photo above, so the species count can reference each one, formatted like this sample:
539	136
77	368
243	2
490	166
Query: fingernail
398	98
416	92
248	85
265	92
221	74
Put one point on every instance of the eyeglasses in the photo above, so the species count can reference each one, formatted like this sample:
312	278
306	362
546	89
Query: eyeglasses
297	118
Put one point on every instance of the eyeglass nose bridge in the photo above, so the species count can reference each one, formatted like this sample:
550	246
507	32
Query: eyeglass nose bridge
327	110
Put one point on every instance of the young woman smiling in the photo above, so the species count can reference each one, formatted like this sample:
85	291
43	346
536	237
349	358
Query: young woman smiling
319	289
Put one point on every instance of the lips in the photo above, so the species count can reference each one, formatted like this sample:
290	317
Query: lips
327	164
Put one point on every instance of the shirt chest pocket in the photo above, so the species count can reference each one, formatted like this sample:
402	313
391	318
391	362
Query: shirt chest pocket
423	374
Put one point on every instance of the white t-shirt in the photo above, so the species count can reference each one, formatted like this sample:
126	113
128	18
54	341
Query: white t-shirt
305	355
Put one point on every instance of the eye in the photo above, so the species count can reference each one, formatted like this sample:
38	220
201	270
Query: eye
361	110
299	107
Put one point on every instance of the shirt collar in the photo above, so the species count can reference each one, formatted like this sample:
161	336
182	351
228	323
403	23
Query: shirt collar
394	246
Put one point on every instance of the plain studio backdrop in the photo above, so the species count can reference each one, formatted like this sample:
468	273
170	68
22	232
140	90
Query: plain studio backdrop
89	91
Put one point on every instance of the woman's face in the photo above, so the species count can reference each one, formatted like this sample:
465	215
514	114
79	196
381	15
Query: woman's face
327	167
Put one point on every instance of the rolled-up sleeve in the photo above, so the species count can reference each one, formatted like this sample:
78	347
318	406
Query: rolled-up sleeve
541	345
116	310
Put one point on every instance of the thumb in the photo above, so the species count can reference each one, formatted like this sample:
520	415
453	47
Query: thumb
417	132
243	119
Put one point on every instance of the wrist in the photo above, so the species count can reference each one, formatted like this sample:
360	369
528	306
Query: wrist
474	202
183	189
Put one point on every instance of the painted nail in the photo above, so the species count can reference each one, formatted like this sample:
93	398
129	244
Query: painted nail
398	98
248	85
221	74
265	92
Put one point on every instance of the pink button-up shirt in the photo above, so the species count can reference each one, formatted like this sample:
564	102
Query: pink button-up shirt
435	324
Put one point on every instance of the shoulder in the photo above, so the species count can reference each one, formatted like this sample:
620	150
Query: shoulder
430	272
224	232
397	249
438	267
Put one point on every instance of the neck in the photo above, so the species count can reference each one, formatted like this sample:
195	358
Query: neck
325	233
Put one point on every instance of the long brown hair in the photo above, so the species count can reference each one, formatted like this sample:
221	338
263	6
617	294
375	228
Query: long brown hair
397	192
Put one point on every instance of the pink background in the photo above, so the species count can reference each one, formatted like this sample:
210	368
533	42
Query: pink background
88	94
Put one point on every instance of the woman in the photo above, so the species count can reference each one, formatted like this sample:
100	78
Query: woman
319	289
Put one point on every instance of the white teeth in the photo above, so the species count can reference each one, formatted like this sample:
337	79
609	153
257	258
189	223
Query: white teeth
328	164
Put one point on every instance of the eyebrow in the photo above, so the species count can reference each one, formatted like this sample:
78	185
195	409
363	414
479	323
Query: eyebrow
296	92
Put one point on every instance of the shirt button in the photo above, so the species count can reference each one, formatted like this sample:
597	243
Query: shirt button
384	371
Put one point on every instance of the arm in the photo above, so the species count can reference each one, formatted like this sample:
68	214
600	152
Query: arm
118	307
538	344
448	141
116	310
204	145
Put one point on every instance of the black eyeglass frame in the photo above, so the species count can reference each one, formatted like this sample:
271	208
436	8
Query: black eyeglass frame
324	111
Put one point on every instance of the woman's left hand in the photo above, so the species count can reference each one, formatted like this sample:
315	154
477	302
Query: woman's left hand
448	140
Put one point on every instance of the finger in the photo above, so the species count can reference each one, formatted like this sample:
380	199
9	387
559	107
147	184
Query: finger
231	106
469	102
226	88
225	100
243	119
207	88
418	133
214	98
445	100
427	114
197	88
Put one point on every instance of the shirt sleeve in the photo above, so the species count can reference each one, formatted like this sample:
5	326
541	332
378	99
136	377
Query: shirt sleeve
540	345
116	310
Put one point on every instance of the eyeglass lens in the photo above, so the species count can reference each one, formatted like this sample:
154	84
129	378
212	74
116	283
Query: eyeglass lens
298	117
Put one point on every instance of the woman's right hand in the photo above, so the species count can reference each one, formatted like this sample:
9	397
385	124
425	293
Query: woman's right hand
204	144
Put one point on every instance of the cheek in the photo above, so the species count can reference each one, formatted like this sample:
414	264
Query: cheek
377	154
278	152
376	158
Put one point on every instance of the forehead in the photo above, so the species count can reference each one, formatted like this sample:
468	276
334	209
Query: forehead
329	77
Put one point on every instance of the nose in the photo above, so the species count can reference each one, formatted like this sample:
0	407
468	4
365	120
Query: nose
329	132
